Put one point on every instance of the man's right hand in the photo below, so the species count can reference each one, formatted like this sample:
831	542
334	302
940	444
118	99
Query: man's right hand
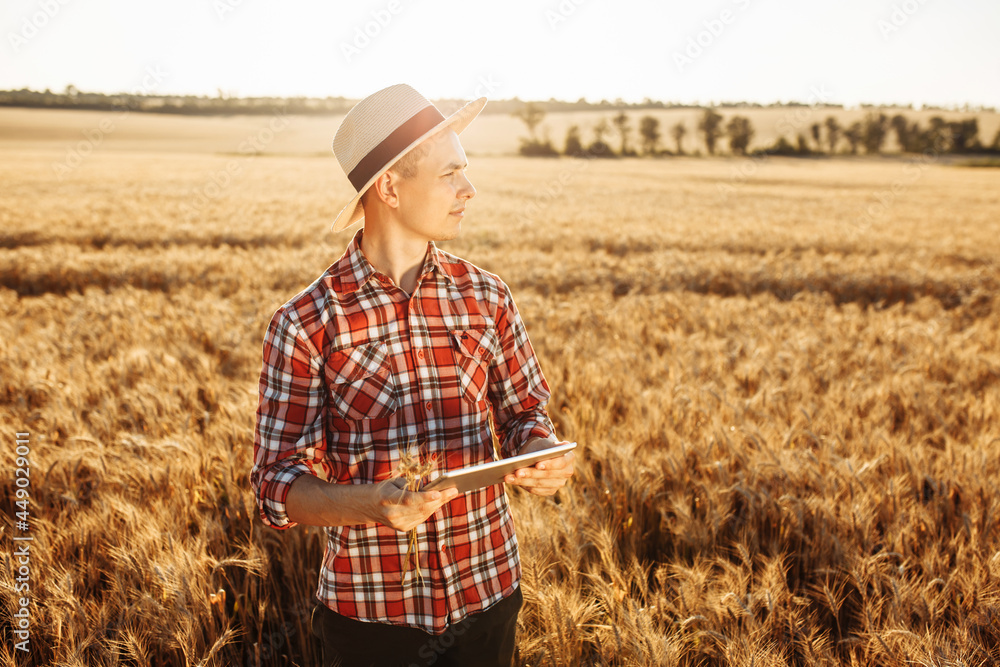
402	510
315	502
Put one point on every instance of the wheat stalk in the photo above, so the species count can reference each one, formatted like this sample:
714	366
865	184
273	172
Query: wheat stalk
413	467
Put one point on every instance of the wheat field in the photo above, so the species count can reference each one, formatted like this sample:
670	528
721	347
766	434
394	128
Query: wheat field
784	376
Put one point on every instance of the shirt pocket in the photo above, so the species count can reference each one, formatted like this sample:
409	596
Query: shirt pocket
360	382
475	351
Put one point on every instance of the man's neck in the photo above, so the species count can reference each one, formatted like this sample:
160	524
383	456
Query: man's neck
399	258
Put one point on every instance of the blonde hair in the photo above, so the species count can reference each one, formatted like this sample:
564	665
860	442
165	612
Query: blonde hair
405	166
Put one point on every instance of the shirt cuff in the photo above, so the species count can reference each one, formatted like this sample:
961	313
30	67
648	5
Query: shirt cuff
533	429
272	491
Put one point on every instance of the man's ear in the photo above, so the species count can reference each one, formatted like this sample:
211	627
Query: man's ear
385	188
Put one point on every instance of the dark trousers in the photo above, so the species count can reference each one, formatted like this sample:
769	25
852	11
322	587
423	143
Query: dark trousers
486	638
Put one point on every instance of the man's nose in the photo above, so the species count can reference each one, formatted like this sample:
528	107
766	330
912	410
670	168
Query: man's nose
467	191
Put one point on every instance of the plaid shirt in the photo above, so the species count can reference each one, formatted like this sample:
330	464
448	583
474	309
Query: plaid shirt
354	372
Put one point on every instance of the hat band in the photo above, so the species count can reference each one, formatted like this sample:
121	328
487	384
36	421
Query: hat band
390	147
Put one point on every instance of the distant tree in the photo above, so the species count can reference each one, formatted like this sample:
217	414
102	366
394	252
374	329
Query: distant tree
622	127
832	133
71	91
677	132
995	146
963	134
780	147
574	146
875	129
740	131
803	145
815	130
853	136
937	138
536	148
601	129
913	136
600	147
901	127
531	114
710	126
649	129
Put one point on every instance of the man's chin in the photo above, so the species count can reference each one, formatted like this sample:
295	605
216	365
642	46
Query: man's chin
448	234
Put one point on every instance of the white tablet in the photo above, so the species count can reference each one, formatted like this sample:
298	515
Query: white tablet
486	474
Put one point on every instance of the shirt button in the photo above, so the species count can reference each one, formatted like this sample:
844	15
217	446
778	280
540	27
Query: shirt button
420	354
479	350
428	406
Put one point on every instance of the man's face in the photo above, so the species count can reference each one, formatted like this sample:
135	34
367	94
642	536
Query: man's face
432	202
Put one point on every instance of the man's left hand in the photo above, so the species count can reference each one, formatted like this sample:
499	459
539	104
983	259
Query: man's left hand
545	477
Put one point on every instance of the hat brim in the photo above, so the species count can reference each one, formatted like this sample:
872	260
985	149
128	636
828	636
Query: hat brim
457	121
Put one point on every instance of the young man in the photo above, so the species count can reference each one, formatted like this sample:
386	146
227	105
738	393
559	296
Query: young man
399	348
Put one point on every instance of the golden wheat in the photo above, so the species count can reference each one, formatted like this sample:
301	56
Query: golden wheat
789	411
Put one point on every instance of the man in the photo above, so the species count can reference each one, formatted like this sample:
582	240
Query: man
400	347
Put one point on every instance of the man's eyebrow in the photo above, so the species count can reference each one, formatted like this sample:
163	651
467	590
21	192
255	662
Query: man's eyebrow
455	165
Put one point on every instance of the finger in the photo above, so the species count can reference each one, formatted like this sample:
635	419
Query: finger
567	460
438	494
535	473
412	503
554	482
444	497
430	501
518	475
541	482
527	473
417	507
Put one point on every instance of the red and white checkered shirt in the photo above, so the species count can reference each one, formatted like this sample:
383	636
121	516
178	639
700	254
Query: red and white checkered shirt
354	372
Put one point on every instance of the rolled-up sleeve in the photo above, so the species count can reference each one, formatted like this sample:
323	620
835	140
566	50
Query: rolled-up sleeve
289	435
518	390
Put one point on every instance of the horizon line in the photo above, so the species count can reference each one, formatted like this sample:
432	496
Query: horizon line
616	103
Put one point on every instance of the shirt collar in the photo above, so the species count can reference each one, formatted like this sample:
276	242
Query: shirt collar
437	260
354	270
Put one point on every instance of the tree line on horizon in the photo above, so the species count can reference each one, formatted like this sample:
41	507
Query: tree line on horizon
226	103
870	134
826	138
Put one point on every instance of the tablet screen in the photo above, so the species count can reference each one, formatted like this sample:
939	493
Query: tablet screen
486	474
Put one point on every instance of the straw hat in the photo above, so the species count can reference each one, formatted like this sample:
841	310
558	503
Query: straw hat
382	128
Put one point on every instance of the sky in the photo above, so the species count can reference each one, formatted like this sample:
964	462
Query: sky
920	52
